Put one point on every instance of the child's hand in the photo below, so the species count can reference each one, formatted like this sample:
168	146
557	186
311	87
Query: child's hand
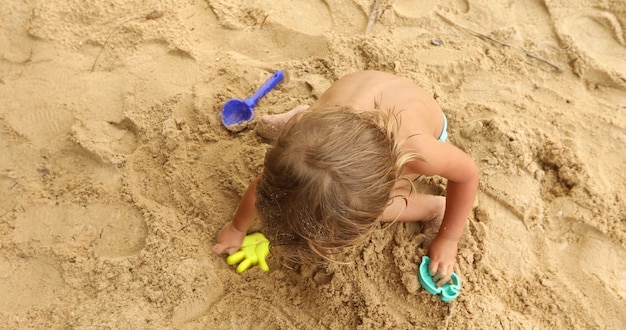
229	239
442	254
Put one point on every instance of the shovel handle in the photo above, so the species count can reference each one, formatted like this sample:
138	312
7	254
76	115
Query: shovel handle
267	86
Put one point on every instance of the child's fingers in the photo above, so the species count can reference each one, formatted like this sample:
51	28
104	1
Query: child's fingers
231	250
432	267
457	269
441	282
443	274
218	248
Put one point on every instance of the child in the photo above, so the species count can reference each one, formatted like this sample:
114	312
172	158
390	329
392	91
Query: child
347	162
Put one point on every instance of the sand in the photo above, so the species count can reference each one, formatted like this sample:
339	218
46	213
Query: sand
116	173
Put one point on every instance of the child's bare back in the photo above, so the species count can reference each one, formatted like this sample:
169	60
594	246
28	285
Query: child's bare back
368	91
363	90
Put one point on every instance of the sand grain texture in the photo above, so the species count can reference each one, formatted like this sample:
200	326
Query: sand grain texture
114	183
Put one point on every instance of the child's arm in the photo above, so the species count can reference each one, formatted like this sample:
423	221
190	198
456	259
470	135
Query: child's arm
461	172
413	206
232	234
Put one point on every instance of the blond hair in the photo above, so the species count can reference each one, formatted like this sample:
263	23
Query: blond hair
327	180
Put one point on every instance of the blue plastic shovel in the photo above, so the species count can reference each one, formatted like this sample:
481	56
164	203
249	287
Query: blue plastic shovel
236	113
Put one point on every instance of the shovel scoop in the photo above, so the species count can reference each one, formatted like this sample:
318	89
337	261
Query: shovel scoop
236	113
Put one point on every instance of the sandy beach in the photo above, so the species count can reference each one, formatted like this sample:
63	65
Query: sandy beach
116	172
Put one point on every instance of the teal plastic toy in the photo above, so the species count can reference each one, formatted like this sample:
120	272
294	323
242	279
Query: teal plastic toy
448	291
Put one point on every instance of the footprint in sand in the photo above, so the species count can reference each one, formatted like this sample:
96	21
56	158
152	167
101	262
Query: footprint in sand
110	142
592	252
269	30
597	39
508	242
39	120
114	230
207	291
241	308
29	282
7	158
591	264
318	18
420	8
6	185
570	260
412	8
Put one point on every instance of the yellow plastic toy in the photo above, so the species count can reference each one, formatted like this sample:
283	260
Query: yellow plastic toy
254	249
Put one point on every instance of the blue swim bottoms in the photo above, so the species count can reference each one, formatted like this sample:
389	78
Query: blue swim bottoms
444	132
